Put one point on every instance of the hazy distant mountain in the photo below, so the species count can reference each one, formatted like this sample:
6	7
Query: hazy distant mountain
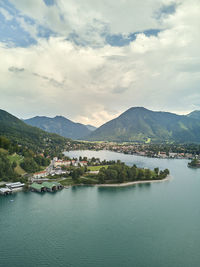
61	126
18	131
140	124
194	114
91	128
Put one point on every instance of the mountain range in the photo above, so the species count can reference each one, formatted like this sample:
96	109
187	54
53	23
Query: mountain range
139	124
62	126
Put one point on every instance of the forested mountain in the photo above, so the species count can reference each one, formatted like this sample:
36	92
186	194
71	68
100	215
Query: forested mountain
195	114
61	126
140	124
21	133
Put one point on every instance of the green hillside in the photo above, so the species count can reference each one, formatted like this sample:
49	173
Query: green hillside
22	134
141	125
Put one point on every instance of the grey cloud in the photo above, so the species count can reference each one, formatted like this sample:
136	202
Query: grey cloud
120	90
189	67
51	80
15	69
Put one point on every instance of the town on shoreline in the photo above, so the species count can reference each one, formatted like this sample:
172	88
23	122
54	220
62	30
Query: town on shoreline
163	151
67	172
50	169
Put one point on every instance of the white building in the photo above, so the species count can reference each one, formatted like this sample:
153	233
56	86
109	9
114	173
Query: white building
63	163
41	174
15	185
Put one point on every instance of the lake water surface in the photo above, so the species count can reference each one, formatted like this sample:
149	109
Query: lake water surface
149	225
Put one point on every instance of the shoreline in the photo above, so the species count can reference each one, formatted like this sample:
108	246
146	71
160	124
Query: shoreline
134	183
132	154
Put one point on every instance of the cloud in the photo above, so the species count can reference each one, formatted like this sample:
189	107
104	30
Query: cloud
90	23
6	14
16	70
94	83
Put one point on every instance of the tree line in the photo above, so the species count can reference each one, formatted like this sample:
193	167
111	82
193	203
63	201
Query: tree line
119	173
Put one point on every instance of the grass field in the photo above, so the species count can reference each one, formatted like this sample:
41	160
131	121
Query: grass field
3	150
96	168
18	159
67	181
19	170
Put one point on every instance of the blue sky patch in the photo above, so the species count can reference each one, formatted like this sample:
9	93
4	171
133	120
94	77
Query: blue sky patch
166	10
13	35
49	2
121	40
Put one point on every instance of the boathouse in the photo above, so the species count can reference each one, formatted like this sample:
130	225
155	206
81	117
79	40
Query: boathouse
37	187
46	186
58	186
50	187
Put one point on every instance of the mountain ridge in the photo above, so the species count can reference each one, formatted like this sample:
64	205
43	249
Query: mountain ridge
60	125
139	124
21	133
194	114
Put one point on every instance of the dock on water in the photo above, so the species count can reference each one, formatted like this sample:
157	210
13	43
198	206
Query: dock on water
5	191
11	187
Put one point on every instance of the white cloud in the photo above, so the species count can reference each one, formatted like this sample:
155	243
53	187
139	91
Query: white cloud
93	85
90	20
6	14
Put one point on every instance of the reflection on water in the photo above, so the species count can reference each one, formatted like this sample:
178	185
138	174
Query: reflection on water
119	189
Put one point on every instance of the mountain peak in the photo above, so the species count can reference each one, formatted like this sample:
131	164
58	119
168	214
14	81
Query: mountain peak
139	124
138	108
61	126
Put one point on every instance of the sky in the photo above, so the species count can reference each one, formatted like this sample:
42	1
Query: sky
91	60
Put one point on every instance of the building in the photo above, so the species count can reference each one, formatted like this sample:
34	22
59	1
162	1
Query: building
83	163
62	163
37	187
13	186
58	185
46	186
41	174
49	186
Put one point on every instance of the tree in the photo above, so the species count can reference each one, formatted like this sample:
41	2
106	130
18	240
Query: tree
75	175
134	172
4	142
101	177
156	170
121	176
147	174
14	164
29	165
140	174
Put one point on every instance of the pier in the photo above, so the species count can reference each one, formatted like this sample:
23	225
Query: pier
10	188
5	191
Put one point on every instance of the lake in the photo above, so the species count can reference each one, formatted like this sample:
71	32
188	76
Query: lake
145	225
